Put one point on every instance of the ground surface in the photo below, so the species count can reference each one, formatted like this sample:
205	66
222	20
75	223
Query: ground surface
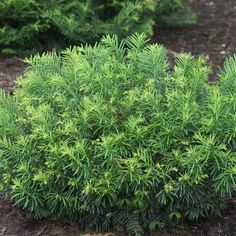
214	36
10	68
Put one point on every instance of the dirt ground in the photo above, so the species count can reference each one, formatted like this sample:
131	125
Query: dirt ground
10	68
215	37
16	222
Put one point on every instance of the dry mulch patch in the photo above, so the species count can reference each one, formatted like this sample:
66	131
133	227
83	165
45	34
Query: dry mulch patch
215	37
16	222
10	68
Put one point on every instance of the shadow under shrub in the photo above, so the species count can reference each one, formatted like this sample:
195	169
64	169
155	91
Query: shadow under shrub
109	135
28	26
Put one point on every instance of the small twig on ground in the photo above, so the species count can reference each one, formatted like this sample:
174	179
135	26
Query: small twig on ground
2	230
41	231
18	59
5	217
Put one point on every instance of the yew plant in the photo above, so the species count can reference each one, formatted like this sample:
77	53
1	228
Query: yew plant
109	135
28	26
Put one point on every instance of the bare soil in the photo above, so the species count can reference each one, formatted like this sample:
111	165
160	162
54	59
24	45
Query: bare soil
16	222
10	68
214	36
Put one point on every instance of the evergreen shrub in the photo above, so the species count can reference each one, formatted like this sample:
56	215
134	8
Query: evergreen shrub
27	26
110	135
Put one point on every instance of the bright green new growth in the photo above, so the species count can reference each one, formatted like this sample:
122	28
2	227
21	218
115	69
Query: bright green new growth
109	135
28	26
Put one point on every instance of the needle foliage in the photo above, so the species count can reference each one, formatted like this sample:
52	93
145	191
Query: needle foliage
28	26
109	135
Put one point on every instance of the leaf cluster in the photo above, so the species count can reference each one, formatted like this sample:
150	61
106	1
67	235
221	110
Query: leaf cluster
28	26
110	135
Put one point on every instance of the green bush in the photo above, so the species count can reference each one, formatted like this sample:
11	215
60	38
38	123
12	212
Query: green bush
175	12
27	26
109	135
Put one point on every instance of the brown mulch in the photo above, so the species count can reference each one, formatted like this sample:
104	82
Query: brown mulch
213	36
16	222
10	68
